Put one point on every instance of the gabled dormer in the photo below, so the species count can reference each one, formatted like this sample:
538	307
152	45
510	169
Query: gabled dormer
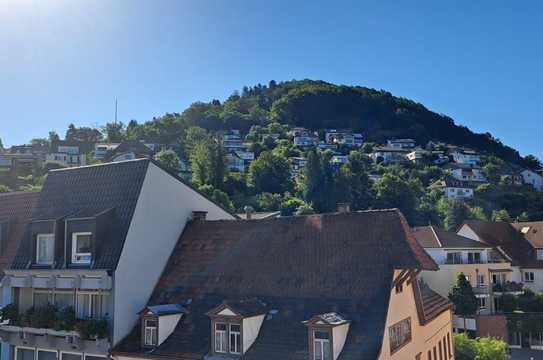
158	322
235	326
327	334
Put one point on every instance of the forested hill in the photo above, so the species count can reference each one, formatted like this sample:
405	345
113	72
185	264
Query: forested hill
377	114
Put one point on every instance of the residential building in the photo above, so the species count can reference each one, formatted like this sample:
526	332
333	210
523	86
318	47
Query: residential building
304	137
39	151
338	160
465	156
417	156
15	213
130	150
231	140
297	164
455	189
95	246
102	150
465	172
70	153
532	178
290	288
343	137
481	263
387	155
401	143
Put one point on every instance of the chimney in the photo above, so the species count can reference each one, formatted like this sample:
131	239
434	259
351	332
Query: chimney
248	212
343	208
199	215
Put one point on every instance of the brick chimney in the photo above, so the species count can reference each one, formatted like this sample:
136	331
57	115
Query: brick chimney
199	215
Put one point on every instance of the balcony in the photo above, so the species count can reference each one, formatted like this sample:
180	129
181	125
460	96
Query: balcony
52	328
509	287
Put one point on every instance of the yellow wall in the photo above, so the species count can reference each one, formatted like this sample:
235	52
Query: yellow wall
423	338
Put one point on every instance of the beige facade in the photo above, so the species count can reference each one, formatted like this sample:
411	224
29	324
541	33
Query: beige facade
425	338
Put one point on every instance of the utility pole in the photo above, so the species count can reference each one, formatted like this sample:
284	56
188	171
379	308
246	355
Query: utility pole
115	111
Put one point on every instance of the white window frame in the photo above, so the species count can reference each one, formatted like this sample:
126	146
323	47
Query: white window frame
39	237
75	254
529	276
237	335
223	335
481	283
481	300
539	254
36	356
61	356
473	255
95	355
153	332
322	343
49	293
91	294
24	348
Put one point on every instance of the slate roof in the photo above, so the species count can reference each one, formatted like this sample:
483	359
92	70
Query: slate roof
15	211
89	190
433	237
507	238
534	233
299	267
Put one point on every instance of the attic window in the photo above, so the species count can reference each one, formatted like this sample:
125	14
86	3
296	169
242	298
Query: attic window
321	345
325	330
81	248
151	332
45	246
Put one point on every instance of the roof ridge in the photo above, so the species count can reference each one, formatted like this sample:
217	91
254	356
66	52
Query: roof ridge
111	163
435	235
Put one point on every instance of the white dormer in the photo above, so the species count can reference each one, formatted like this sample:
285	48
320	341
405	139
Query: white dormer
158	322
327	335
235	326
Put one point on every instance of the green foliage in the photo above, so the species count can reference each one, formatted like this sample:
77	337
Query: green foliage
304	209
532	162
269	202
114	132
290	205
41	317
10	312
318	185
65	319
453	212
524	322
218	196
483	348
501	215
3	189
464	347
93	329
355	174
463	298
394	192
169	160
83	134
208	163
270	173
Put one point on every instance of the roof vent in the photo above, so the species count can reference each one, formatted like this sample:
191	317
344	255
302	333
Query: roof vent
199	215
248	211
343	208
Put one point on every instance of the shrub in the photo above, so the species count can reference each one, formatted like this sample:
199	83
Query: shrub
65	319
93	329
10	312
42	317
464	347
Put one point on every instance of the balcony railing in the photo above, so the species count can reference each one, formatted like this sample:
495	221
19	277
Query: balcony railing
507	287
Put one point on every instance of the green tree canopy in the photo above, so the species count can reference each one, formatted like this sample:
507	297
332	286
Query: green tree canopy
169	160
270	173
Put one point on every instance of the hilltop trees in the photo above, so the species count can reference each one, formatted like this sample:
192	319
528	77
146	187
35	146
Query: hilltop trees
270	173
169	160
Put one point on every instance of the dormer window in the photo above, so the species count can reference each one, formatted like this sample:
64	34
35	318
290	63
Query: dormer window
81	248
220	337
45	249
235	339
321	342
151	332
325	330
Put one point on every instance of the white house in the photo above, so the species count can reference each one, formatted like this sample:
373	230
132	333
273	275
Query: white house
455	189
401	143
465	156
533	178
465	172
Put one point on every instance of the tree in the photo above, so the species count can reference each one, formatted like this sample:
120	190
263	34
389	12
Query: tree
40	142
532	162
464	347
192	136
319	184
3	189
357	181
453	212
114	132
208	163
291	204
83	134
53	138
169	160
463	298
488	348
270	173
501	215
218	196
394	192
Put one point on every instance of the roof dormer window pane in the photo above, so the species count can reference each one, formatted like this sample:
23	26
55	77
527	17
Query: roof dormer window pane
220	338
151	332
45	246
322	345
81	248
235	339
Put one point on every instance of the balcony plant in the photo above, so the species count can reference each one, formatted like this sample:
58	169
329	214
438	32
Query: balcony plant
40	317
10	312
65	319
93	329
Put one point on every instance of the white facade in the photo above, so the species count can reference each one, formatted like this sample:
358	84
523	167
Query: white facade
466	157
532	178
458	192
473	174
67	159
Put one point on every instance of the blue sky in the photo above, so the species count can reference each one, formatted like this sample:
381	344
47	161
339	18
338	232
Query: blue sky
479	62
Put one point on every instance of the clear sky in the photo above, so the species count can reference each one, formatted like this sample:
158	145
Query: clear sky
479	62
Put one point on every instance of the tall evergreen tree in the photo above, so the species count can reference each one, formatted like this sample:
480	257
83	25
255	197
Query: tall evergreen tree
463	298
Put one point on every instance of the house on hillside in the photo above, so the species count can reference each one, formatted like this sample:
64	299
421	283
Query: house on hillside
388	155
130	150
331	286
39	151
455	189
465	156
94	247
417	156
303	137
297	164
102	150
401	143
231	140
532	178
464	172
70	153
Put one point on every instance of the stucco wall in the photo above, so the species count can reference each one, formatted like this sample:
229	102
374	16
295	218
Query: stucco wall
423	338
251	327
161	213
166	325
339	334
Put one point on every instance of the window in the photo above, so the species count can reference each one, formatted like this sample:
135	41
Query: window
42	298
481	280
536	338
71	356
220	338
3	237
322	346
539	254
235	339
47	355
449	344
499	278
481	302
474	257
89	306
439	345
64	299
528	276
25	354
429	356
399	334
454	258
81	248
45	249
151	332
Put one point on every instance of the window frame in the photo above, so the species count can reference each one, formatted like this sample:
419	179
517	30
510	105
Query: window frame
225	348
36	353
61	354
39	238
322	342
529	276
75	254
17	348
237	342
153	333
91	295
406	339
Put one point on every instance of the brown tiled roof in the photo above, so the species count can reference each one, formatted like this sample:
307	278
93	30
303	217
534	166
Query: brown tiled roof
534	234
508	239
15	211
300	266
433	237
432	304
